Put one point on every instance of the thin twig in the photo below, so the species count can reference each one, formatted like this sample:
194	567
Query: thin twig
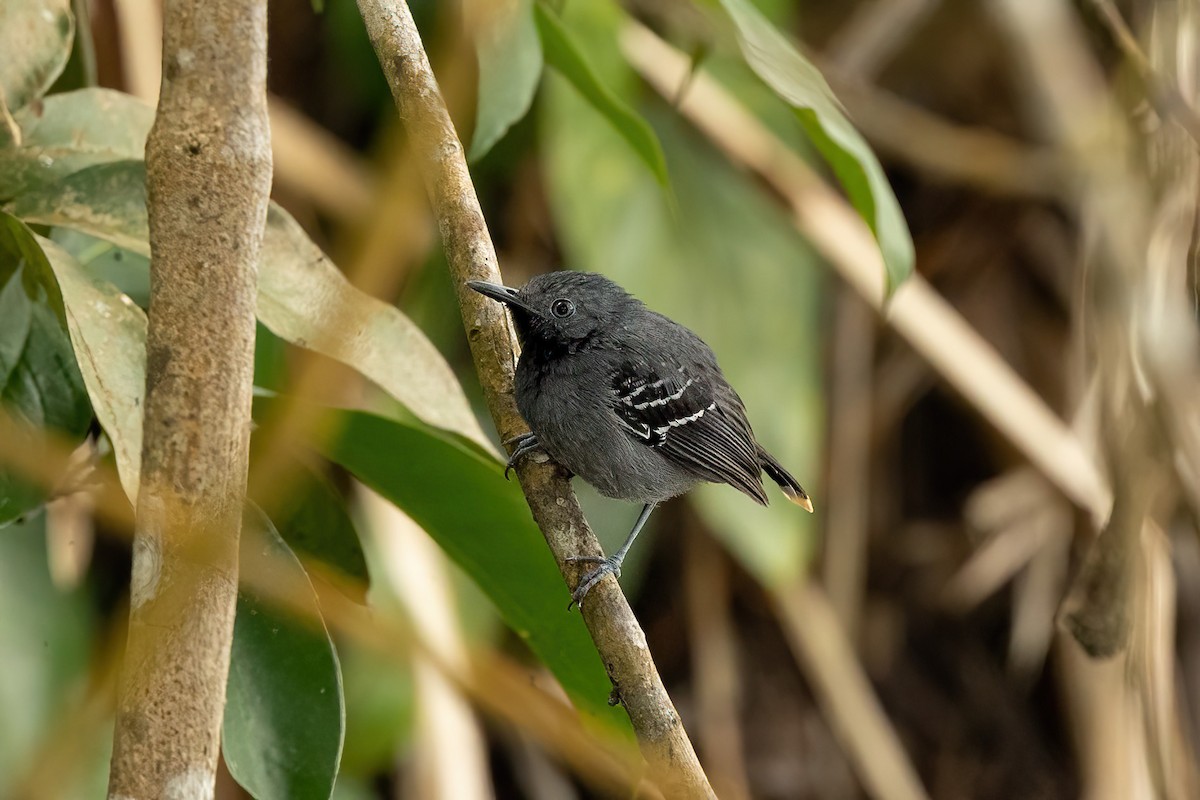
845	694
943	149
1139	245
471	256
717	672
848	489
208	179
313	162
1163	93
449	758
875	33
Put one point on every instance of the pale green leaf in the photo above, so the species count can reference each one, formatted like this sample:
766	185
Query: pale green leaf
302	297
35	43
510	64
70	131
108	332
565	56
798	82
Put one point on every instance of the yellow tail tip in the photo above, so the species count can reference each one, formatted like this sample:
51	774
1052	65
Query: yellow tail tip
799	498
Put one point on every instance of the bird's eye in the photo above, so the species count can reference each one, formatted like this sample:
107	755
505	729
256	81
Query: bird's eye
562	307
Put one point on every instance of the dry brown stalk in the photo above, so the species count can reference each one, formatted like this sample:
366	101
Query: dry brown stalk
672	761
208	162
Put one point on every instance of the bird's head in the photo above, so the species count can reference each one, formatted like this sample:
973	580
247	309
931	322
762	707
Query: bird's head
563	308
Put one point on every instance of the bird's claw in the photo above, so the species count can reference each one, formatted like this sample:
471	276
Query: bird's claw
522	445
607	566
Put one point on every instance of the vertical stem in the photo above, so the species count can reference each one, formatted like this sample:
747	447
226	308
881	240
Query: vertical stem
208	164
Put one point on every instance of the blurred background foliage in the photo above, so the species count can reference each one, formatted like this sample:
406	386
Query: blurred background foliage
942	555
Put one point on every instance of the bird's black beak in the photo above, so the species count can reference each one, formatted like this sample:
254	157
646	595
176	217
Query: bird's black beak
501	294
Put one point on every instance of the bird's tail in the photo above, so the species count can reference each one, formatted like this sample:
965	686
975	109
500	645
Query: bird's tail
790	486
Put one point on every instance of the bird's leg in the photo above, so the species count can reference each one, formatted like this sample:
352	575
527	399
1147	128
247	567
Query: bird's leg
522	445
607	566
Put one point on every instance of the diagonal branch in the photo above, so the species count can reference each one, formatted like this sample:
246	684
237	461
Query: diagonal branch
618	637
208	176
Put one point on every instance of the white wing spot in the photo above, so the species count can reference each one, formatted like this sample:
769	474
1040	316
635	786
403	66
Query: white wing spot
662	401
675	423
643	388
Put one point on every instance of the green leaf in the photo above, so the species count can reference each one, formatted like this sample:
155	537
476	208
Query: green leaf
108	331
460	497
800	84
35	38
45	639
565	56
124	269
39	380
107	200
70	131
302	297
317	524
284	714
510	64
727	264
379	710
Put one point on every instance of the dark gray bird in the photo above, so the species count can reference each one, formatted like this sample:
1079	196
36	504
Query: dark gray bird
628	400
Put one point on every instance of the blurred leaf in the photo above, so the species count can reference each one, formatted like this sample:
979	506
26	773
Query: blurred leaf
379	710
353	789
109	334
284	717
316	523
39	380
459	496
270	360
106	200
68	132
352	67
18	497
801	84
129	272
302	297
35	38
510	64
80	69
45	638
564	55
730	266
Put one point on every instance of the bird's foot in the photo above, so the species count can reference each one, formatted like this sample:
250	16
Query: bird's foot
610	565
522	445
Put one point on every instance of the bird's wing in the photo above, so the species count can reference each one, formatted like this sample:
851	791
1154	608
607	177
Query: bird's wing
692	416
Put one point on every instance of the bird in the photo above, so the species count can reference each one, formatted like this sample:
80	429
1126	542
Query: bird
628	400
